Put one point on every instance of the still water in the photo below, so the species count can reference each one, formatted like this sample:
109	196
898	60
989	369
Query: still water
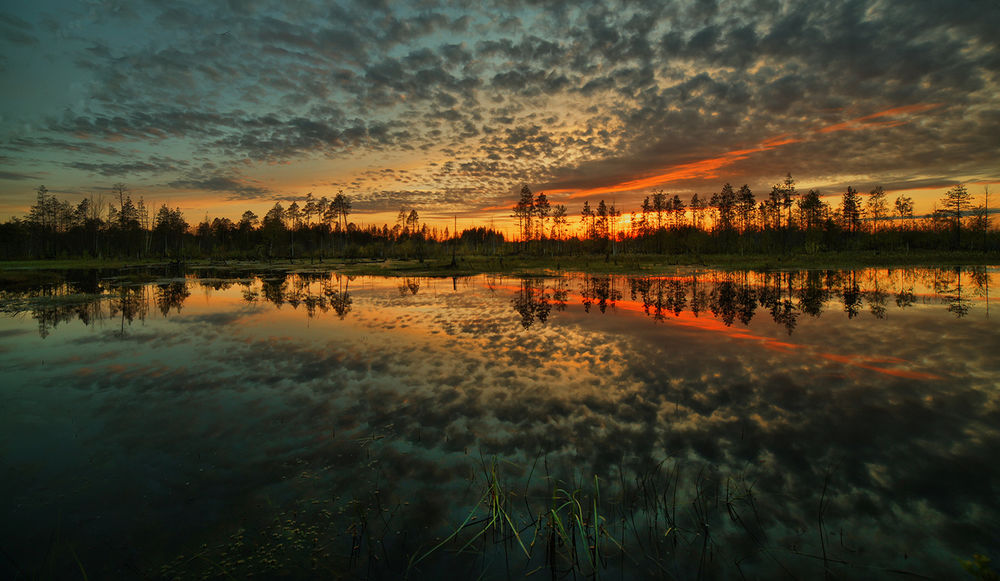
704	425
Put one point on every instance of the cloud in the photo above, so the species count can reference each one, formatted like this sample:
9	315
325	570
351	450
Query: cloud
580	96
237	187
154	165
17	176
16	30
49	143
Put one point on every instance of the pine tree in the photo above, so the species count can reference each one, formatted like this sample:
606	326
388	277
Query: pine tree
956	201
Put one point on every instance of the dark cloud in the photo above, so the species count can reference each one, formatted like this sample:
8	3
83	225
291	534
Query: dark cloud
17	176
237	187
24	143
421	200
16	30
153	165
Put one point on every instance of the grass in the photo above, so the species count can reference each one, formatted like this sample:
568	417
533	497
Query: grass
25	271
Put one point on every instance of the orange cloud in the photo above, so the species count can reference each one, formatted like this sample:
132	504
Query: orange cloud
709	168
704	168
864	122
495	208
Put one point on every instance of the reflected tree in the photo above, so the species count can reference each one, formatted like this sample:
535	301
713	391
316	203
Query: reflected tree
779	304
130	303
699	297
813	294
639	287
677	297
746	301
905	298
599	289
560	294
171	296
851	295
340	299
314	303
531	303
785	314
723	303
958	304
877	298
273	290
409	286
250	295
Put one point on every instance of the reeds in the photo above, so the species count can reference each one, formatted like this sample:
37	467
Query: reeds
676	520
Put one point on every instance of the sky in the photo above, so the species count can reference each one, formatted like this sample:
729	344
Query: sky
450	107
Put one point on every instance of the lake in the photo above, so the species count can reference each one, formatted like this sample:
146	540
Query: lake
704	425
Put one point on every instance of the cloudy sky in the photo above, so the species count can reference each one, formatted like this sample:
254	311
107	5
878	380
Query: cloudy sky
448	107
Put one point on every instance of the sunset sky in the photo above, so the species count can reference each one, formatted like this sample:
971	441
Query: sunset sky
449	107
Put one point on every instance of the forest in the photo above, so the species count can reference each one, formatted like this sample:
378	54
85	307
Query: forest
730	221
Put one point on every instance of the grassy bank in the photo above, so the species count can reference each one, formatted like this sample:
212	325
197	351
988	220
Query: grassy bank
662	264
15	273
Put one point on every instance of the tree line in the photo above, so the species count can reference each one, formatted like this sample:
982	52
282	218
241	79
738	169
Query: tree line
732	220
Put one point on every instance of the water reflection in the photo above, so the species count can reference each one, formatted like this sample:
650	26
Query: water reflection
278	424
409	286
788	295
171	296
532	303
730	297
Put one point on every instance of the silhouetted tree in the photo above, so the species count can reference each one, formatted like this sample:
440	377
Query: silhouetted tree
697	211
644	221
273	226
956	201
542	210
559	222
876	207
745	206
524	211
601	221
660	205
169	230
812	209
725	204
850	210
588	214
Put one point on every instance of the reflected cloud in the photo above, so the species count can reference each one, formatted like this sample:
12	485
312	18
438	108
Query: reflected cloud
206	416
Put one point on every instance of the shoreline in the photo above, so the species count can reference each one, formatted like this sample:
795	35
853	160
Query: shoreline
21	272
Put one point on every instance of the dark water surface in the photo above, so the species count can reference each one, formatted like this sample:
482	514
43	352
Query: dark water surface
710	425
